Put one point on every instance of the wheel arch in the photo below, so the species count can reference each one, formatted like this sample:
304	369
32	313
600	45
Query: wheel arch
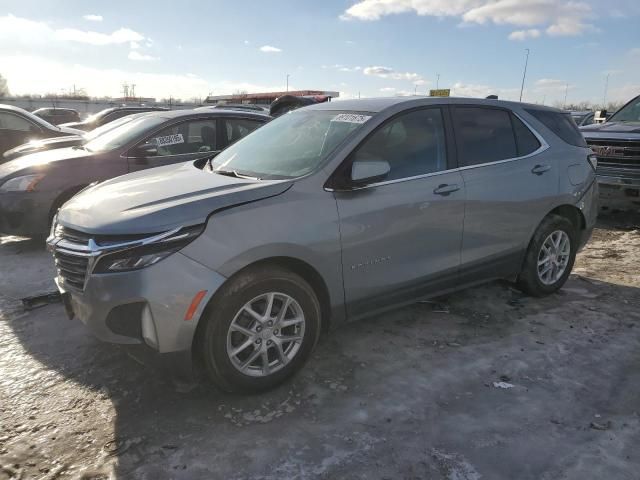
295	265
61	199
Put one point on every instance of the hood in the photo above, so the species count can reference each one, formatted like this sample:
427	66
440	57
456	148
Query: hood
612	130
40	160
160	199
40	145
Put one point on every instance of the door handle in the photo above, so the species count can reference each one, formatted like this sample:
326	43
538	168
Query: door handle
445	189
540	169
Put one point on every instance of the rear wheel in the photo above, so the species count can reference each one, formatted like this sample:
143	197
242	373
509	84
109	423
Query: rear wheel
550	257
261	329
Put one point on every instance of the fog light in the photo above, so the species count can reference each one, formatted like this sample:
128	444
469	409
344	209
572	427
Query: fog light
149	328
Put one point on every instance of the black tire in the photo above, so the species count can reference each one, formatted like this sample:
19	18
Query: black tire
529	281
229	301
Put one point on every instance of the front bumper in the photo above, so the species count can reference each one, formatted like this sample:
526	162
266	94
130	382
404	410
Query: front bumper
25	213
146	305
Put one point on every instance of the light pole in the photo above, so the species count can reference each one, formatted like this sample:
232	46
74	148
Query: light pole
604	98
287	82
526	62
566	91
437	80
415	90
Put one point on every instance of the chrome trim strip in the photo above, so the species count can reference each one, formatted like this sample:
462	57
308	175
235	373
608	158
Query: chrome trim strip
543	146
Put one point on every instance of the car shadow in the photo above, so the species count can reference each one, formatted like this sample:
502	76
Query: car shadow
407	394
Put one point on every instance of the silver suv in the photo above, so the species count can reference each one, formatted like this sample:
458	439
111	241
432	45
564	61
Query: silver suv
329	213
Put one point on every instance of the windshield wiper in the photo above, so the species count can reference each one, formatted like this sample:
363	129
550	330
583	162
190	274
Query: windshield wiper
234	173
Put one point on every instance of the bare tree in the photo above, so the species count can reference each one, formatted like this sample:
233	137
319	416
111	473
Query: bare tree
4	89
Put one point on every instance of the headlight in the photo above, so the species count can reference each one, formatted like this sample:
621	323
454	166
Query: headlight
25	183
145	255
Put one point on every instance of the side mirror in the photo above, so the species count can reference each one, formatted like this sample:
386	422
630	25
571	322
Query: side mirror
364	172
146	150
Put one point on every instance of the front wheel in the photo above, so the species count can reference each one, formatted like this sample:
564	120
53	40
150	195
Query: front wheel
549	258
261	329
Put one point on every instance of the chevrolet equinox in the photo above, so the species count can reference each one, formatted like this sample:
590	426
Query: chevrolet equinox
329	213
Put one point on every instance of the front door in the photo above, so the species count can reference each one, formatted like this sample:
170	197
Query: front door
177	143
15	130
401	237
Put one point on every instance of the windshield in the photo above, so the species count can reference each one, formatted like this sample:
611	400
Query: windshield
629	113
96	132
123	134
291	146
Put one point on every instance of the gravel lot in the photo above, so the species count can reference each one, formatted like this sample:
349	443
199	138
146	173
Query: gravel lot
412	394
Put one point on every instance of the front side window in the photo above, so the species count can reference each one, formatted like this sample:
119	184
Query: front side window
9	121
290	146
183	138
413	144
629	113
483	135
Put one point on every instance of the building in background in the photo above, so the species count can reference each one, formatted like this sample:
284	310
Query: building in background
266	98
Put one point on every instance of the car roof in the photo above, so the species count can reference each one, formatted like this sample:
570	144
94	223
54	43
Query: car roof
4	106
375	105
218	112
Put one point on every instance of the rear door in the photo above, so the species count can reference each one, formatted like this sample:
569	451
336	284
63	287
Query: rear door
401	237
16	130
181	142
510	183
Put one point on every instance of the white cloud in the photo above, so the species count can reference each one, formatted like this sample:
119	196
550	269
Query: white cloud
120	36
460	89
18	70
270	49
386	72
524	34
388	89
558	17
635	52
247	42
550	85
22	32
137	56
93	18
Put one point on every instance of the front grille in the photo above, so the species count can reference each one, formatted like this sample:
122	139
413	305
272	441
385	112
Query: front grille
73	236
616	153
72	269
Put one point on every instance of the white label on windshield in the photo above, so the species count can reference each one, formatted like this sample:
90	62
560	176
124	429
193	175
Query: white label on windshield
351	118
169	140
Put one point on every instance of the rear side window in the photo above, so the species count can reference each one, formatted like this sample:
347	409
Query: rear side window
526	140
483	135
561	124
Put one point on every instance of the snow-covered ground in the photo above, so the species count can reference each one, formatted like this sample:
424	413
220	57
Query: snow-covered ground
484	383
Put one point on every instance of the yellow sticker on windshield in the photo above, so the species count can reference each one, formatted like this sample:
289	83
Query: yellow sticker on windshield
351	118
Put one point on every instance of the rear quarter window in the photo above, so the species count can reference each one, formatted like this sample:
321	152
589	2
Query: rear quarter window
561	124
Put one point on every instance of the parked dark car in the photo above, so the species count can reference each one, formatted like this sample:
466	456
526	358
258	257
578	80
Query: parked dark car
56	116
617	145
34	186
109	115
583	118
286	103
238	106
68	141
17	126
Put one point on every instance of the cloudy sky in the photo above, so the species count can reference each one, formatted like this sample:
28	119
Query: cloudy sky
358	47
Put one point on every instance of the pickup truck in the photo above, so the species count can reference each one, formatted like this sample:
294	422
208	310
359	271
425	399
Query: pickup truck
617	146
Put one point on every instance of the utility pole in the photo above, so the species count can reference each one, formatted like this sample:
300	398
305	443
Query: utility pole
415	90
606	86
526	62
566	91
287	82
437	80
